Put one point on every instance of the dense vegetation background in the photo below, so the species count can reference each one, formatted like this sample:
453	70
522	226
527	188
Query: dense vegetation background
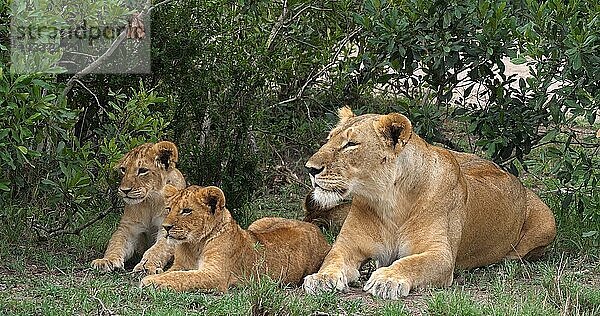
248	89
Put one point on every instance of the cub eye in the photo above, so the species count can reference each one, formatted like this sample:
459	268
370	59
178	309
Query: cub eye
186	211
142	171
168	209
350	144
122	169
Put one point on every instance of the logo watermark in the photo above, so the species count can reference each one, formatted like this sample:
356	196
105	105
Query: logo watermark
60	37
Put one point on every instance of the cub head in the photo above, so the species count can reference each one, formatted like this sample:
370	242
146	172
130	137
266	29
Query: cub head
194	212
144	170
360	156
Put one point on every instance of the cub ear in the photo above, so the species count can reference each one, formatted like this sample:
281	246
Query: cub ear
214	198
345	113
395	129
166	154
169	190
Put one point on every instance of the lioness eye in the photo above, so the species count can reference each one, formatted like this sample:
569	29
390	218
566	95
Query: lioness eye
142	171
122	169
186	211
350	144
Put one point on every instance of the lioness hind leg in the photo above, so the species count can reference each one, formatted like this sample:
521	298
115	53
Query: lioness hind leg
538	230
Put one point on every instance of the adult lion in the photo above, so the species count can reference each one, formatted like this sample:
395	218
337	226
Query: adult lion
214	252
419	210
146	169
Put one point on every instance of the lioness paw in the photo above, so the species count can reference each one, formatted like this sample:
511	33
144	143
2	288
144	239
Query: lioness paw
148	267
107	265
383	284
324	282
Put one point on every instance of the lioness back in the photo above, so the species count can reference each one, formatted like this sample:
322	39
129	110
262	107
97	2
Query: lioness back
494	195
281	236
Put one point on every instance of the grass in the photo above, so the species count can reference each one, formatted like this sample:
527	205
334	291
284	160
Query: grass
54	278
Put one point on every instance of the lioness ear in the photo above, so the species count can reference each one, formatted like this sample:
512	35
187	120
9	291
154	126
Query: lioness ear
396	130
166	154
214	198
169	190
344	114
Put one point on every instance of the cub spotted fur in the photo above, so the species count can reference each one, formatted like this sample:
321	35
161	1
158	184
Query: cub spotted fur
214	252
419	210
145	169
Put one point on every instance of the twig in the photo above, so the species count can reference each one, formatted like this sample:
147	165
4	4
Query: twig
92	93
104	310
333	62
78	230
277	26
91	67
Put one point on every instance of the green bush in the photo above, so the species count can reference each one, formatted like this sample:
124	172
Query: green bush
69	179
447	58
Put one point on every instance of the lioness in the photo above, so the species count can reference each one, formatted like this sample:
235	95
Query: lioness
419	210
214	252
145	169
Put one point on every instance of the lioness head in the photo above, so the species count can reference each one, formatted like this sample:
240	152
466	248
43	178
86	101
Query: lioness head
360	154
145	169
194	212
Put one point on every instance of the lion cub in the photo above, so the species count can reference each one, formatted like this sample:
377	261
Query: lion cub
145	169
213	252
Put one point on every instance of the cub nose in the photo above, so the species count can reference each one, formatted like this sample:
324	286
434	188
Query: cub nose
167	227
313	171
125	191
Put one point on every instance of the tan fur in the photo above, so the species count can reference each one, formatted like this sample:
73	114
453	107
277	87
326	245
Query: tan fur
146	169
213	252
419	210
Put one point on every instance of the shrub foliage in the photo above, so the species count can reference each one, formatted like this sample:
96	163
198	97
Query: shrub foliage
247	90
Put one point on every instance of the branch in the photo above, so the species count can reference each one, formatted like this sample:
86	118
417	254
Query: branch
277	26
78	230
311	79
115	44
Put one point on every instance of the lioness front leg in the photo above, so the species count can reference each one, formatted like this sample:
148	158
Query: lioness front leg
339	268
156	257
120	248
427	268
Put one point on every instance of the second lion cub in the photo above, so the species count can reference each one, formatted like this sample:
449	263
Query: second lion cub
214	252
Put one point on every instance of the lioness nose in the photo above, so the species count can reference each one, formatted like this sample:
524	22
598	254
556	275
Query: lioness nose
313	171
167	227
125	190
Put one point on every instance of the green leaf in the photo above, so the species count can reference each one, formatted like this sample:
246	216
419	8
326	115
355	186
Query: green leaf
577	61
550	136
22	150
518	60
49	182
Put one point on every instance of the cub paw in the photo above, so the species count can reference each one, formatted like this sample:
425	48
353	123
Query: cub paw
107	265
156	281
149	280
325	282
384	284
148	267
